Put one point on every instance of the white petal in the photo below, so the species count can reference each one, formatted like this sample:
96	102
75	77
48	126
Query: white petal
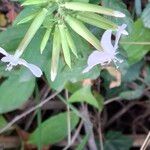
96	58
87	69
11	59
125	32
3	51
33	68
121	30
119	14
5	59
106	41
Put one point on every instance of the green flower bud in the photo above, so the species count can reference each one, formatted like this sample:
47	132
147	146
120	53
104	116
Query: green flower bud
83	31
55	53
71	42
45	40
65	45
92	8
99	21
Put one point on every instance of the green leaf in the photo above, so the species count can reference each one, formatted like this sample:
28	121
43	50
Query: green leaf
95	1
137	44
54	129
132	94
26	15
133	72
119	6
146	17
15	91
117	141
85	95
73	87
11	42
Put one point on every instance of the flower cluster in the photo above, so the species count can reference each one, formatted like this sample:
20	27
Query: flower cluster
56	16
14	60
109	51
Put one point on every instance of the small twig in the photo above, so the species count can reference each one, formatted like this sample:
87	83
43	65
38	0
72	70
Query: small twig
120	113
111	100
74	137
100	131
28	112
68	120
89	128
143	81
146	142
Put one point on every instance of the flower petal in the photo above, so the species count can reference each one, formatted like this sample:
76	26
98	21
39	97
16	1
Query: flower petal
121	30
33	68
3	51
94	59
106	41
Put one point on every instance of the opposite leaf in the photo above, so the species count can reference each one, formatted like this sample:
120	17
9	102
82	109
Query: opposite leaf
53	129
85	95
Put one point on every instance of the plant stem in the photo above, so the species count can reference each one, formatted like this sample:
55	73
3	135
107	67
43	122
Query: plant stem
68	120
37	98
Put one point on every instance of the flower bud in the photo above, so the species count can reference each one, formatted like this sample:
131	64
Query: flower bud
78	6
65	45
55	53
83	31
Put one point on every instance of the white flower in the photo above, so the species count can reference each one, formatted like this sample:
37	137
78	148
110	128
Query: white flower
109	50
14	60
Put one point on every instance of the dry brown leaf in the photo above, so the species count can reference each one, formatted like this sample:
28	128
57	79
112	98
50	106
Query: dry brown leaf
116	74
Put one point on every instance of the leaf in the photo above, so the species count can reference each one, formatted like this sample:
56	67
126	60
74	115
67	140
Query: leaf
85	95
53	129
119	6
73	87
15	91
136	44
15	34
132	94
117	141
133	72
95	1
146	17
26	12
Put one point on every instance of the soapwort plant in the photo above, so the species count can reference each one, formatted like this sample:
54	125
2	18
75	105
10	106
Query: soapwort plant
57	17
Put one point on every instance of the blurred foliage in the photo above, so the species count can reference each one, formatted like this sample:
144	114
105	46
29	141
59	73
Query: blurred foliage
117	141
